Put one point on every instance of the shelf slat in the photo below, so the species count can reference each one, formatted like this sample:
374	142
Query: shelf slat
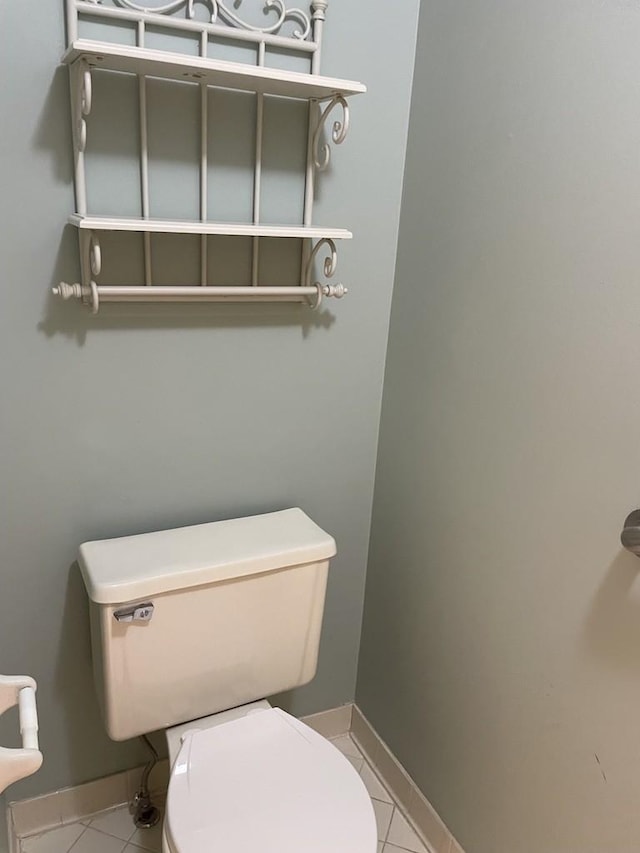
188	226
214	72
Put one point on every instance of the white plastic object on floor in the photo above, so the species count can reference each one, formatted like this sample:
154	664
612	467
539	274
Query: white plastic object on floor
16	764
266	782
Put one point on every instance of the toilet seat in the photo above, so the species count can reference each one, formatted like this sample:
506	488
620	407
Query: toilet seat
266	783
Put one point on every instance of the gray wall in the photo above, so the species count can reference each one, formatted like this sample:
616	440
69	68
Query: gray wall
501	646
141	419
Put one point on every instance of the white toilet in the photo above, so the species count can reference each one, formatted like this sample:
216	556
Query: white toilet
205	620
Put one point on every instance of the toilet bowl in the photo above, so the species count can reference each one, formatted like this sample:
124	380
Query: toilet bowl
264	782
189	627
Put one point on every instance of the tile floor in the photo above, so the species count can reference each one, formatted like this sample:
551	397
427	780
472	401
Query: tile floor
113	831
395	835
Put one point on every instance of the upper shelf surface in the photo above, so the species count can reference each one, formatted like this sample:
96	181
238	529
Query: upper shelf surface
189	226
214	72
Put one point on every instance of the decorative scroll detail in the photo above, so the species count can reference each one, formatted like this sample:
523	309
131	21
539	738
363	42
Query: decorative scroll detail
81	134
277	6
86	94
84	97
328	269
167	8
218	10
95	254
339	131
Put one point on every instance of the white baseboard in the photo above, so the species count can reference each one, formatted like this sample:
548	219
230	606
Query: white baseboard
68	805
404	790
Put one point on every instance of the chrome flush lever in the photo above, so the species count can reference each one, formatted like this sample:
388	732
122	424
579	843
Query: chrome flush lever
135	613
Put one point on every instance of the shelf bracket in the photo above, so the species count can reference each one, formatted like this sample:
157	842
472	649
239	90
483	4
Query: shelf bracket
329	268
339	131
82	99
90	266
92	254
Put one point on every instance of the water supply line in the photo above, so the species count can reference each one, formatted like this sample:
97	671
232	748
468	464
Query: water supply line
145	814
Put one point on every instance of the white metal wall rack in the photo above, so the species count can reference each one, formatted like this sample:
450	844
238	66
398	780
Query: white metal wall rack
323	94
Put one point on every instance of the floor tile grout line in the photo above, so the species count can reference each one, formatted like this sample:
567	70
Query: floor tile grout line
111	835
125	842
381	781
393	811
78	838
396	807
404	849
409	820
27	836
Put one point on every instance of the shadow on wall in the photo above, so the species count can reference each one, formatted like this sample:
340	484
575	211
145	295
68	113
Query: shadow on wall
612	630
75	692
53	130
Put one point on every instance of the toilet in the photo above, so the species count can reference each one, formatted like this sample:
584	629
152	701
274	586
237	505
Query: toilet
191	630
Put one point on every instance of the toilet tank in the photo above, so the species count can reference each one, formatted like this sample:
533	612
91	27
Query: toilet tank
192	621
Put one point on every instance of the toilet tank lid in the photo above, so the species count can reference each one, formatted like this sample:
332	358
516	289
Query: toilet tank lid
117	571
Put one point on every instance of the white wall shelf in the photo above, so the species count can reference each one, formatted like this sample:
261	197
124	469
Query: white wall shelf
212	72
323	95
188	226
